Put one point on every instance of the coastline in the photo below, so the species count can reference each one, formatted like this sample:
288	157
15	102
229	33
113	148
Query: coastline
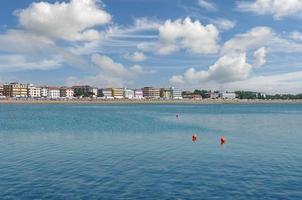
148	101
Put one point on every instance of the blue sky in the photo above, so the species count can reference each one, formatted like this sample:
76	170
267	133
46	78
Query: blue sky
214	44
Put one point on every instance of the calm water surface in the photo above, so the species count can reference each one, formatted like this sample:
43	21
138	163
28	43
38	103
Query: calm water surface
145	152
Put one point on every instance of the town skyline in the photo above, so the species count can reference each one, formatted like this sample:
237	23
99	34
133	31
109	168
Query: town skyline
252	45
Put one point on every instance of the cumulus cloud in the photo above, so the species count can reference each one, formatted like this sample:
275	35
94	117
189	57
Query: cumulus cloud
224	24
278	8
73	21
260	57
232	64
228	68
206	4
109	73
136	56
254	38
18	62
184	34
296	35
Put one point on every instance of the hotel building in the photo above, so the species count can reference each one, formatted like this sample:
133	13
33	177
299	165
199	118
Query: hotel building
105	93
85	90
33	92
44	92
175	93
138	94
165	93
1	90
128	94
15	90
53	93
66	92
151	92
117	93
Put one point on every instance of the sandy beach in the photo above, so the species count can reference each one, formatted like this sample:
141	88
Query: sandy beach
146	101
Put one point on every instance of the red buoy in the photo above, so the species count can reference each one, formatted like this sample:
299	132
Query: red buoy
222	140
194	137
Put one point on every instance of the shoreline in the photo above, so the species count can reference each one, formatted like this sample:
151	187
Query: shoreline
148	101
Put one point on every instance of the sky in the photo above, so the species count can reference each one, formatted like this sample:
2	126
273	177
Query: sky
204	44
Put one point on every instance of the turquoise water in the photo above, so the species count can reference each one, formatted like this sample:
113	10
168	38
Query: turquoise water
145	152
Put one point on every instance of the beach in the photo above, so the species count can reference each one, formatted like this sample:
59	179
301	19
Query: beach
147	101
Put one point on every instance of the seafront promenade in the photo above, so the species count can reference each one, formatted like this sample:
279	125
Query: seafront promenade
145	101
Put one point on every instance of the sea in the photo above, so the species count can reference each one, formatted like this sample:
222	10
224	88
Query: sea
146	151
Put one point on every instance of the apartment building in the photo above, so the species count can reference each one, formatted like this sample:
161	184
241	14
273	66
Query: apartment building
15	89
151	92
66	92
33	92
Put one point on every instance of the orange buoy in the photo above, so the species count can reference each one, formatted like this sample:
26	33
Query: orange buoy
222	140
194	137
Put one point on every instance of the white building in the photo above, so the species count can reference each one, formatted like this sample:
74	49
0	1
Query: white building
44	92
227	95
33	92
66	92
128	94
53	92
105	93
175	93
95	92
138	94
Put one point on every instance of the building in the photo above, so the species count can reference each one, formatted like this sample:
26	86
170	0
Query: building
165	93
1	90
53	93
227	95
33	92
175	93
118	93
214	95
85	91
44	92
151	92
15	90
66	92
190	95
138	94
128	93
105	93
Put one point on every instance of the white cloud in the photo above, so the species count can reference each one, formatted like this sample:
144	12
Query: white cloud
73	21
278	8
206	4
109	73
254	38
260	57
23	42
136	56
224	24
184	34
289	82
296	35
228	68
19	62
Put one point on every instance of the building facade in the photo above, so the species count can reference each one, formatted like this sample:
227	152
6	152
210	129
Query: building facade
128	93
105	93
138	94
44	92
53	93
227	95
33	92
165	93
85	91
1	90
66	92
175	93
118	93
151	92
15	90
